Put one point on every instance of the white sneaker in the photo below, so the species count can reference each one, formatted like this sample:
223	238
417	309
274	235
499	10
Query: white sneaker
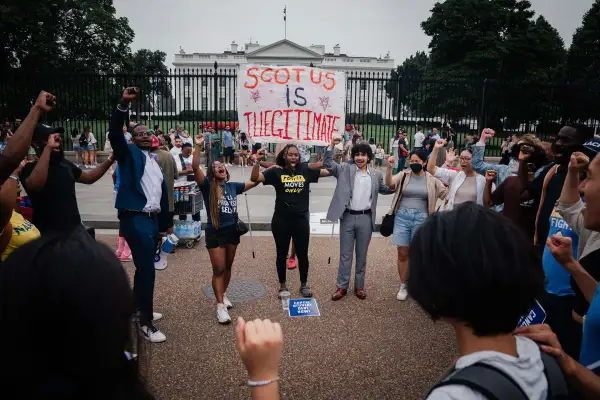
152	334
226	301
402	293
155	316
222	314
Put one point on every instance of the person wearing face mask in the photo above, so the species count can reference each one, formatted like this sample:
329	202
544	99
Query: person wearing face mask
143	208
222	237
416	195
291	180
465	185
508	193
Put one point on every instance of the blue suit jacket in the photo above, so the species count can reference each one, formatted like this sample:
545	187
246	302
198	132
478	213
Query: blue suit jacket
131	169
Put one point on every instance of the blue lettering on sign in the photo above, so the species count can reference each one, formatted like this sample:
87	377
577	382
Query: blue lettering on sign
537	315
303	308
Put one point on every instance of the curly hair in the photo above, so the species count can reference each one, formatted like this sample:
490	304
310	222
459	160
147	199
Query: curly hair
280	160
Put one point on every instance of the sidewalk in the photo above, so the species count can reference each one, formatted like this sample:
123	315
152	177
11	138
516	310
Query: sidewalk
96	202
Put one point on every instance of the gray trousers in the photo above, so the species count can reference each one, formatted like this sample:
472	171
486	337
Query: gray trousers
355	235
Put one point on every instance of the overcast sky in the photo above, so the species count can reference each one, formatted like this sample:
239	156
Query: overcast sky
362	28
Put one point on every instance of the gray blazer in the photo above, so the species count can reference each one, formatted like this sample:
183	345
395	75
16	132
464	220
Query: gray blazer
345	173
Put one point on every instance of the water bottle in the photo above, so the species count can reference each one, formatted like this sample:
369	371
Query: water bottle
285	300
176	195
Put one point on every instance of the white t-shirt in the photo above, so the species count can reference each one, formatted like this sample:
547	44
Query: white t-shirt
188	164
419	137
527	370
175	152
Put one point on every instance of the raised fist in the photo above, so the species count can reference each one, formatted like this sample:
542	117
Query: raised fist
45	101
487	133
199	140
440	143
54	141
490	175
130	94
391	161
578	161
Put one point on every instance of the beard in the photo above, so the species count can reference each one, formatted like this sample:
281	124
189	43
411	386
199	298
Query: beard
57	156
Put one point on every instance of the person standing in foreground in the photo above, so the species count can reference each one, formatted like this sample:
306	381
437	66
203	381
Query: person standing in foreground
222	237
291	217
354	203
50	182
417	192
463	263
143	208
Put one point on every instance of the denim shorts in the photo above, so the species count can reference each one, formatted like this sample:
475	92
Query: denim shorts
406	223
90	147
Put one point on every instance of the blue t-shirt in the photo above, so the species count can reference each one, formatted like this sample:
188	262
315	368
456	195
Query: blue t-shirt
227	139
117	178
558	279
228	202
590	345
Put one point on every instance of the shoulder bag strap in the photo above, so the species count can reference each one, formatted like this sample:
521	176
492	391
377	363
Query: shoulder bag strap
547	178
557	385
397	203
490	381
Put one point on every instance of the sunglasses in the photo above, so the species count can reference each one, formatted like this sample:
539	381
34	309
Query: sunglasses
142	133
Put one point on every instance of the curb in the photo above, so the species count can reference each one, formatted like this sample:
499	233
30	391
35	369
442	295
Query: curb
256	226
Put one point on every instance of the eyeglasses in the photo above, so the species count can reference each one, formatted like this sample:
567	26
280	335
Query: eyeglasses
142	133
464	158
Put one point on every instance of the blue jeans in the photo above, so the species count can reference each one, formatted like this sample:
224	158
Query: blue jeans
141	233
406	223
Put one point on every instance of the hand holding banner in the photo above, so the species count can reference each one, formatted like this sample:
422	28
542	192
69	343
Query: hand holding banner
300	105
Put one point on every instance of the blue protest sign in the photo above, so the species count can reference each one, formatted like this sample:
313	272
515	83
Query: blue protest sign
537	315
303	308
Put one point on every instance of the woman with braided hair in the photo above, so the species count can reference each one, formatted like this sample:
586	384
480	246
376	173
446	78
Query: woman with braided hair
291	179
222	237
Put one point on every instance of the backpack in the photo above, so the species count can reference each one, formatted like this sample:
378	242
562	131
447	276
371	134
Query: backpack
495	384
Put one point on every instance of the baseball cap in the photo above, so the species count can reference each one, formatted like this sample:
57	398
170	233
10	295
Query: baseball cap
154	141
591	147
42	131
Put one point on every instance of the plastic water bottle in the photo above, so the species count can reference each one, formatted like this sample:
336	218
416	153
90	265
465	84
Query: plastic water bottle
285	300
168	244
176	195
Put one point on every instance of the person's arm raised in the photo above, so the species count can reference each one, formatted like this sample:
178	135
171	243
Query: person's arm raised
198	171
256	176
89	177
39	175
431	167
490	177
570	189
117	120
328	163
17	147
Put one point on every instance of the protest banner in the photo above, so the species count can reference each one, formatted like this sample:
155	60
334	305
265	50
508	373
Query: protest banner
301	105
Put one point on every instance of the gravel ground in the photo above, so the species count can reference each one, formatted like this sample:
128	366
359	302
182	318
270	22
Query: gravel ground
378	348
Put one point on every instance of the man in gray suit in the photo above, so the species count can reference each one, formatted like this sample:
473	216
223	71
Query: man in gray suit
354	203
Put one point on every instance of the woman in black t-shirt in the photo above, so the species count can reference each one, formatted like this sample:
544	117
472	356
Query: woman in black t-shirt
292	181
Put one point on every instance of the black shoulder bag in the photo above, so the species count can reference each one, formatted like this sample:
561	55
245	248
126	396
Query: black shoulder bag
387	224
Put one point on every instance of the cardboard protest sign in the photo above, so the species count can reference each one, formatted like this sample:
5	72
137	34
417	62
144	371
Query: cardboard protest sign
537	315
301	105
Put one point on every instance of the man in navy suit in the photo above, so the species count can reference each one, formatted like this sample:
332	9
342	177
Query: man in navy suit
143	208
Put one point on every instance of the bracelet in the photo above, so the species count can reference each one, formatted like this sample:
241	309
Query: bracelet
16	178
122	108
261	383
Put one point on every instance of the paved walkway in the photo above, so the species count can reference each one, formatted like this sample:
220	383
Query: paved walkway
378	348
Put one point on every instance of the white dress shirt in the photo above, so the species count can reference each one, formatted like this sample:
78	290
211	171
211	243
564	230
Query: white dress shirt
152	183
419	137
361	194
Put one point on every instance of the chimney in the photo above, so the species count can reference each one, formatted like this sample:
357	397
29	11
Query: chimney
234	47
336	50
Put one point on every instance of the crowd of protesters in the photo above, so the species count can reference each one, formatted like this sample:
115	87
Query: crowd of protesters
482	244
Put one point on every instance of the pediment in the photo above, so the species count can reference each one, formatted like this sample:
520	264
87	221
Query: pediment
283	49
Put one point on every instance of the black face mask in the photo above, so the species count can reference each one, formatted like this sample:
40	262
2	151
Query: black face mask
416	167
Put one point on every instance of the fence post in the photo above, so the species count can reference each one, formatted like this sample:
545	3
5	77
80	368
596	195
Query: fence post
482	114
397	105
216	98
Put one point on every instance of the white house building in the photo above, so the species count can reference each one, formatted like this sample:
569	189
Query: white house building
197	93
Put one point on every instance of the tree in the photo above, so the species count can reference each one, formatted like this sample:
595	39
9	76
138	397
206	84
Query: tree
43	43
150	75
495	40
583	64
399	87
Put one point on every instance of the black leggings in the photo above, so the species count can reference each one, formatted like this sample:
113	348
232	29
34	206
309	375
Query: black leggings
286	226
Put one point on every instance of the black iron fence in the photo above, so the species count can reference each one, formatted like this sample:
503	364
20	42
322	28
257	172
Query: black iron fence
375	103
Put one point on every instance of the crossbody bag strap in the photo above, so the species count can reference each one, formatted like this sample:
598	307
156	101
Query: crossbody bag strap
547	178
557	385
397	203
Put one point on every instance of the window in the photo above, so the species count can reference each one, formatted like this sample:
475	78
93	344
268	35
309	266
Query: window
363	106
222	82
186	81
187	103
222	103
204	82
204	103
363	85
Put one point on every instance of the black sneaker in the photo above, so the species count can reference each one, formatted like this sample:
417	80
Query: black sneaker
152	333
